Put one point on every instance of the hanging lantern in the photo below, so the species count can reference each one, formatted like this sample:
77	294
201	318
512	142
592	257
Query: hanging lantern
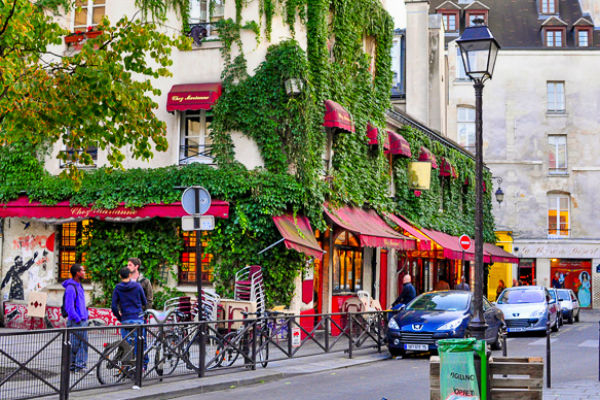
419	175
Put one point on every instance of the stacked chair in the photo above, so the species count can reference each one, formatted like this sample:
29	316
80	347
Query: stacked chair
249	287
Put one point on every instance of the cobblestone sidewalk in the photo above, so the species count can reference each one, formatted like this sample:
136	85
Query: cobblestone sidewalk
577	390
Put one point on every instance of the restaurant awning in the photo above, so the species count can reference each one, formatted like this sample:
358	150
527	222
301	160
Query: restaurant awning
194	96
336	116
426	155
370	228
298	235
447	169
372	132
424	241
498	254
451	246
398	146
63	211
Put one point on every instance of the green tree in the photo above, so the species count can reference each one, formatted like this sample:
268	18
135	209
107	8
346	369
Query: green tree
98	95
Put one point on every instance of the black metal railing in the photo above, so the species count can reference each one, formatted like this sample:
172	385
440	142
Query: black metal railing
40	363
192	153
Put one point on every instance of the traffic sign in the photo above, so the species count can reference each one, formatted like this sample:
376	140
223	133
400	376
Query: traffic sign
465	242
195	200
198	222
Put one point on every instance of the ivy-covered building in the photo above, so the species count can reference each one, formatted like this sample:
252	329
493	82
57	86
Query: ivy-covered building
279	109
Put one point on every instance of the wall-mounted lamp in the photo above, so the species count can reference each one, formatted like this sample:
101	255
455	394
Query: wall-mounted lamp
293	86
499	193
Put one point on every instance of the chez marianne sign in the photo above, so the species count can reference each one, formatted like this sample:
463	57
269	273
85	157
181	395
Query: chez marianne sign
558	250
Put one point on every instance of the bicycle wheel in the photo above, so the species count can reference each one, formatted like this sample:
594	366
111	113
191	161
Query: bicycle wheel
212	355
115	370
262	353
229	353
166	357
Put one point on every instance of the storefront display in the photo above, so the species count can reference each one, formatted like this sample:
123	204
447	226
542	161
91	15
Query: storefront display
575	275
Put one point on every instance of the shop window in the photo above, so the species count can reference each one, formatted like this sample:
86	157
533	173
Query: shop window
466	127
206	16
87	14
526	272
558	215
195	137
347	264
187	268
557	157
71	236
554	37
555	96
548	6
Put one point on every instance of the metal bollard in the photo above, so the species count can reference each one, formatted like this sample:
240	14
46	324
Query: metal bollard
548	356
65	363
599	351
504	344
139	355
350	339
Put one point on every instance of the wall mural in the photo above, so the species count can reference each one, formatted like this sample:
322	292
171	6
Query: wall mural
13	276
15	316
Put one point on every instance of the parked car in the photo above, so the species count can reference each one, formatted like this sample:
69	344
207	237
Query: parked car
528	308
569	305
439	315
554	294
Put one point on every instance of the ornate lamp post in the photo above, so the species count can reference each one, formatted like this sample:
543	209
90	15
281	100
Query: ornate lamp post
478	49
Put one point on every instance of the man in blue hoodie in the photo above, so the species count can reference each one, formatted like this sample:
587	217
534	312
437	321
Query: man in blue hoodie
128	301
77	316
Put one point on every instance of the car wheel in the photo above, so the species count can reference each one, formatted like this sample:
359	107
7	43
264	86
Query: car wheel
577	316
571	319
397	352
555	326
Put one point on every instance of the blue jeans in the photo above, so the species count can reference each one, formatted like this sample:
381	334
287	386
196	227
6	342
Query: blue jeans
132	339
79	347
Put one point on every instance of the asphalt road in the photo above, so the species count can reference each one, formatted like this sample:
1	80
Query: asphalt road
574	358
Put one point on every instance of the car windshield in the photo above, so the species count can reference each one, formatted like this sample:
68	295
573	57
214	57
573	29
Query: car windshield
521	296
444	301
552	294
564	295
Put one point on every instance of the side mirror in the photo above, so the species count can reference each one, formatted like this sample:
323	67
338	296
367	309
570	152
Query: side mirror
493	303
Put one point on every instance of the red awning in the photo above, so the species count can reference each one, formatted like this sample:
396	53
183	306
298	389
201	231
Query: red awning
447	169
398	146
64	211
452	249
499	254
372	132
298	235
196	96
426	155
371	229
424	241
336	116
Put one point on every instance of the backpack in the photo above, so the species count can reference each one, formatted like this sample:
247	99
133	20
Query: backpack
63	309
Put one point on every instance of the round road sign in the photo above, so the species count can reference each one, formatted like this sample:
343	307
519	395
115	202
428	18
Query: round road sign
195	200
465	242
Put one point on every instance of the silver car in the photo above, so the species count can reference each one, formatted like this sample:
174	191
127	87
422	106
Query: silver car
528	308
569	305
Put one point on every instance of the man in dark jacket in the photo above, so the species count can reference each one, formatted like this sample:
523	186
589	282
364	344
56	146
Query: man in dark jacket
128	304
77	316
408	292
134	265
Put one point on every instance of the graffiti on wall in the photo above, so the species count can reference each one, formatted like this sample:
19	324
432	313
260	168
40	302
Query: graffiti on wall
14	274
15	316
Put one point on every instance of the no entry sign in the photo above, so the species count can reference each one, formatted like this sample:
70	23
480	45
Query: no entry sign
465	242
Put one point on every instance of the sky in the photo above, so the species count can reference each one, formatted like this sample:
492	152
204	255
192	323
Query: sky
397	10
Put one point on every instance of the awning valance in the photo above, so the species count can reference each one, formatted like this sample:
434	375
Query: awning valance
498	254
371	229
447	169
298	234
426	155
451	246
424	241
63	211
398	146
336	116
372	132
194	96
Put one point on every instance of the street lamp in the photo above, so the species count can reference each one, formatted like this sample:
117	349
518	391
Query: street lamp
478	50
499	193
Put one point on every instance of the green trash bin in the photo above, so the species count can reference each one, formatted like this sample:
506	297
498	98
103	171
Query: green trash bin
458	377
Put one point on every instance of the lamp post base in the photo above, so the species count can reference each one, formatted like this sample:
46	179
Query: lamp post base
477	328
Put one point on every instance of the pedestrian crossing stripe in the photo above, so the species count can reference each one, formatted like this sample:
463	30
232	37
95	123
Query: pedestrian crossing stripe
588	343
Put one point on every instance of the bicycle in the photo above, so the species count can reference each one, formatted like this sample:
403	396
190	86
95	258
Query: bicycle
238	342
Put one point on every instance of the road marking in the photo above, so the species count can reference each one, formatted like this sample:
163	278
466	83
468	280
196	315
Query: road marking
542	342
589	343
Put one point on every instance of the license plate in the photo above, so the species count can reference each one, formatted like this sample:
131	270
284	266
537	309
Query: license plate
515	329
410	346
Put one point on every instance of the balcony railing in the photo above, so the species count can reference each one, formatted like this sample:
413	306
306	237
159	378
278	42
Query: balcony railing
200	31
199	153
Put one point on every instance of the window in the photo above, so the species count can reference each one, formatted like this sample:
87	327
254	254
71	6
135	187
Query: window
554	38
347	264
370	49
201	14
187	269
558	215
548	6
557	157
72	235
449	22
92	151
460	66
195	137
473	16
583	38
88	13
398	66
556	96
466	127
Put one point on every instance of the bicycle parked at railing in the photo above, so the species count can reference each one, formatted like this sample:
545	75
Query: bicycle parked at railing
240	342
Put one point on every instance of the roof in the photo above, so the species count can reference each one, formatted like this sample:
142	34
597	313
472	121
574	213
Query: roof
517	24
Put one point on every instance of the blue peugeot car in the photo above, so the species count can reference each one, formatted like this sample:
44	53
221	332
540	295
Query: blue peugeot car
439	315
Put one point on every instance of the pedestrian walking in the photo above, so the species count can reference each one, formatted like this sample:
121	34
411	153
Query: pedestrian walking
500	288
463	285
134	265
77	317
408	292
128	302
442	285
